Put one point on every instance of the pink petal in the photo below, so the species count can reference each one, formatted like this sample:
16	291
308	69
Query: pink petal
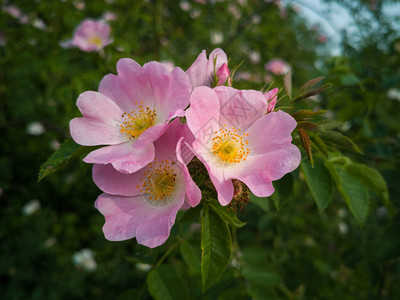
258	185
99	107
128	217
275	129
221	59
240	108
198	71
171	90
113	182
193	192
127	157
152	133
202	70
129	87
90	132
113	87
203	114
223	186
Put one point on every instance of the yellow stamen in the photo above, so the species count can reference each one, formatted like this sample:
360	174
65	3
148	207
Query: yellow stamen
230	145
160	181
95	40
137	121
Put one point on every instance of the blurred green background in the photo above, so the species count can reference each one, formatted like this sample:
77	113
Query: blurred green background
295	252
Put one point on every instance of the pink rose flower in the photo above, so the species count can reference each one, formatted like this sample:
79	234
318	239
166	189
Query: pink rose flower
277	67
92	35
236	140
144	204
130	111
202	70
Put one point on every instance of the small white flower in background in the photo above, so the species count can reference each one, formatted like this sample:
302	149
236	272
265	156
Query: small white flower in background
109	16
39	24
255	19
216	37
343	228
50	242
85	260
234	11
242	2
31	207
346	126
185	6
342	213
143	267
55	145
79	5
394	94
195	13
382	212
255	57
35	128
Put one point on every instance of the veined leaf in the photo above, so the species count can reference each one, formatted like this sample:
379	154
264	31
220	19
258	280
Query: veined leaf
68	152
216	247
306	125
303	114
319	182
165	284
338	139
371	178
190	256
352	191
224	213
319	144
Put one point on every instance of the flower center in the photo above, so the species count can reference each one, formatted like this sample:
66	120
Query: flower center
160	181
95	40
230	145
136	122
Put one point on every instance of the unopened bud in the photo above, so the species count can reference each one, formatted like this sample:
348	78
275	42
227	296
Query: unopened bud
271	98
223	75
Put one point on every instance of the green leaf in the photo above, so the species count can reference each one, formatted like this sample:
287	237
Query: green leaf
260	275
319	182
215	246
338	139
165	284
129	294
349	79
190	215
306	125
303	114
68	152
228	216
352	191
190	256
371	179
319	144
261	202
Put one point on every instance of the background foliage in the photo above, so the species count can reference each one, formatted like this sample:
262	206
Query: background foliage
303	243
